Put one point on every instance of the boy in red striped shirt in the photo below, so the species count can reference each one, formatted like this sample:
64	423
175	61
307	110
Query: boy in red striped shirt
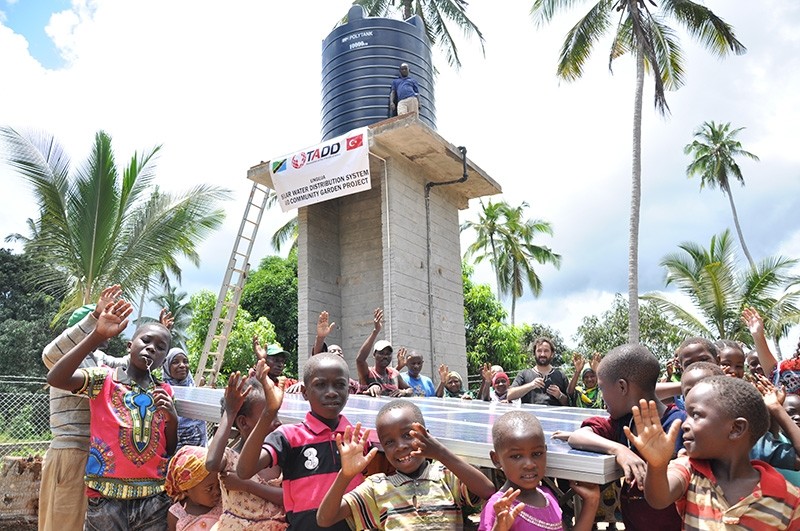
716	485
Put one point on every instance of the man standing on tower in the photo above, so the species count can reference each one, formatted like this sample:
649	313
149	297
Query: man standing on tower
404	97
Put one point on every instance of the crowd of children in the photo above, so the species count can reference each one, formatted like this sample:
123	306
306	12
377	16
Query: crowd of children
715	446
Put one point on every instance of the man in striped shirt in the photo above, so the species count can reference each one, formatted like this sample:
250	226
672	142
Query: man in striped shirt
716	486
62	493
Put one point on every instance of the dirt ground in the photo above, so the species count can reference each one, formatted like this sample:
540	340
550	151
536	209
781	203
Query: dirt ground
18	525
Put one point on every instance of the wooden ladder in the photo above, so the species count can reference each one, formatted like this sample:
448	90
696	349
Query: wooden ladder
231	291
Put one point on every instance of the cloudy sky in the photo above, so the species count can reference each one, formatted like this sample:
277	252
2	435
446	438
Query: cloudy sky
225	86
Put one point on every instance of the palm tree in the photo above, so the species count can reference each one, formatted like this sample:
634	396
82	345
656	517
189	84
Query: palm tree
434	14
98	225
181	310
489	230
644	33
518	253
720	290
506	239
287	232
713	151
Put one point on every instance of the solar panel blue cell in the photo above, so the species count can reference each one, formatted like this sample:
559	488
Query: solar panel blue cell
464	426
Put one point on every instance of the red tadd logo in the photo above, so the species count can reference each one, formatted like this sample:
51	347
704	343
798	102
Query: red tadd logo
298	161
355	142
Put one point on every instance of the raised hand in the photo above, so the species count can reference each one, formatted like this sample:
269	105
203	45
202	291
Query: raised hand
235	393
753	321
323	327
595	361
272	393
114	319
773	396
378	320
107	296
578	362
401	358
505	510
261	352
165	318
655	446
443	372
425	444
486	373
351	450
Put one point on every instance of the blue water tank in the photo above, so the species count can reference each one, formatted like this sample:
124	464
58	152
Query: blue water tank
360	59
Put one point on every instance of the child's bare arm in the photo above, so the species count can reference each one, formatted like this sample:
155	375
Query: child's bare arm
486	383
666	390
265	492
172	522
252	458
752	319
361	360
632	465
579	363
351	451
426	445
111	323
235	394
590	497
657	448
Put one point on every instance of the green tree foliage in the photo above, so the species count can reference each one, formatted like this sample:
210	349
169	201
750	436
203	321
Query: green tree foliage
639	29
25	316
99	225
239	355
719	290
489	339
713	151
434	14
271	292
601	333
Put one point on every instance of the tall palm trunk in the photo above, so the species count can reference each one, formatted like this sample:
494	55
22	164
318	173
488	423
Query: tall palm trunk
513	308
636	199
727	190
496	268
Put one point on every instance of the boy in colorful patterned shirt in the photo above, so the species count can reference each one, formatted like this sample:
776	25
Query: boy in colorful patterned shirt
427	491
133	425
715	486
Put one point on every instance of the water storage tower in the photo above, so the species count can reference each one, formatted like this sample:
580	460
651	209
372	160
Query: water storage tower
359	61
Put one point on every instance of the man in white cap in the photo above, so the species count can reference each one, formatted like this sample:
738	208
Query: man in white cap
380	379
404	97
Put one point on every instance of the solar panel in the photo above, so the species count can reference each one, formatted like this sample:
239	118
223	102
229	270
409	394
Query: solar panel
464	426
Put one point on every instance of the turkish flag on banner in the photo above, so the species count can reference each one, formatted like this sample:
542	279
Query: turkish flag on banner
355	142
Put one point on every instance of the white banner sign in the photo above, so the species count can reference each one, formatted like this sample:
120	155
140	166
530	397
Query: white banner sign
332	169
